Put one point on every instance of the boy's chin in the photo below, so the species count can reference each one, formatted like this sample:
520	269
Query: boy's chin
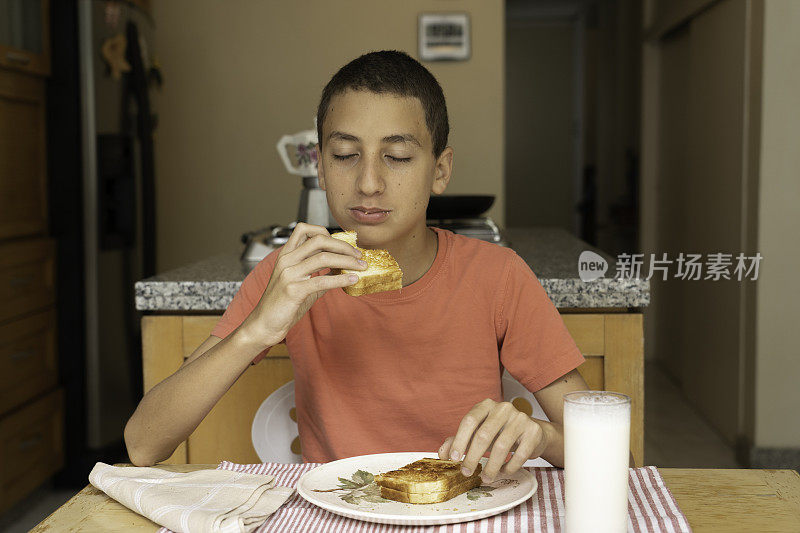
373	236
377	237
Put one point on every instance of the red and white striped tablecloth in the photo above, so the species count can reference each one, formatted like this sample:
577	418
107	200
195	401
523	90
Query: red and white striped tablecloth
651	507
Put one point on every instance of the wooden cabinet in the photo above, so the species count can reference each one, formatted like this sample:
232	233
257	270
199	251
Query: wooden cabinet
31	445
611	342
26	276
31	409
31	412
27	358
25	36
23	193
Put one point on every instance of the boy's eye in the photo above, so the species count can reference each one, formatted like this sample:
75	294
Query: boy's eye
393	158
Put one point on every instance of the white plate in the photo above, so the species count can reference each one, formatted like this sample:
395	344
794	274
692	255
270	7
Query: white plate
506	492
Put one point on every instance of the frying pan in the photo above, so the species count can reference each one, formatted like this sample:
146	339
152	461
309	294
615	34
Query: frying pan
458	206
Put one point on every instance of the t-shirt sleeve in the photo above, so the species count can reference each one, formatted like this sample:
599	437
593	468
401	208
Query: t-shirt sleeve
246	299
535	345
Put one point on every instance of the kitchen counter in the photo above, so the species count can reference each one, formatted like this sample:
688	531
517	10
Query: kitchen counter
552	254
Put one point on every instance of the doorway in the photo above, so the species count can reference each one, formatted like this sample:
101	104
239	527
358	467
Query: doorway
543	125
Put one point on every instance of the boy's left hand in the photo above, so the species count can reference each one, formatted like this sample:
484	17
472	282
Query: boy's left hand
504	428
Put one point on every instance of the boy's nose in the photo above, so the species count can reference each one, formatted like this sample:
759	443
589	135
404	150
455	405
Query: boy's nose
370	181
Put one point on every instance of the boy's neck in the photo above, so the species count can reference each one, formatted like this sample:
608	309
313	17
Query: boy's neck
415	253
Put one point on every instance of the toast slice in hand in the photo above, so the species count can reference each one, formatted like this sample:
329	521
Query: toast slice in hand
382	273
427	481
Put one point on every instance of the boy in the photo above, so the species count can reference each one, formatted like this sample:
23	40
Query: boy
398	370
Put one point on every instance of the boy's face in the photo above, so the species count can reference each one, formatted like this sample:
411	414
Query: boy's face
378	155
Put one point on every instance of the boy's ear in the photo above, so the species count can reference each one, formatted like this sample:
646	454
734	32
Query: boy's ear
320	172
443	171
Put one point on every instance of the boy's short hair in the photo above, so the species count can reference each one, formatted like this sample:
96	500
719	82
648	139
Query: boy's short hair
394	72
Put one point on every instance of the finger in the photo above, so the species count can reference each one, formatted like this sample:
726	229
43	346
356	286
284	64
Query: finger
303	289
485	435
444	449
467	427
511	432
321	243
300	234
322	260
523	452
528	443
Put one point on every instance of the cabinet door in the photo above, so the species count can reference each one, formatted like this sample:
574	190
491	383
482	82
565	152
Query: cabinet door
32	447
28	365
225	433
26	277
613	345
588	332
23	204
25	35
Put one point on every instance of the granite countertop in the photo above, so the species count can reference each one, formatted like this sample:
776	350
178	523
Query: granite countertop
552	254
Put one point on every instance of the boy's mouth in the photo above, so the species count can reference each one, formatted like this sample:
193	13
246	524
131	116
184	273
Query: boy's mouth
368	215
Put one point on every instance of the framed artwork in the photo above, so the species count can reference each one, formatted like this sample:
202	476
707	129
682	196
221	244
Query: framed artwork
444	36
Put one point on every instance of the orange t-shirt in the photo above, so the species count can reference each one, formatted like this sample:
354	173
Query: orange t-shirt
397	371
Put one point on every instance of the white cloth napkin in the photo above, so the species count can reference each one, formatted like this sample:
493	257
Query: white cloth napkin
199	501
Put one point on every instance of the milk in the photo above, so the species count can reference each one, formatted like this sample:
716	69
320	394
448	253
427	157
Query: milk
596	446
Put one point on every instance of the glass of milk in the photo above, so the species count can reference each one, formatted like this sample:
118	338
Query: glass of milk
597	427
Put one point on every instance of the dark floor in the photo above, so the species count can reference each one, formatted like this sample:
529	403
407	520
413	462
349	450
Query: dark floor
38	506
675	436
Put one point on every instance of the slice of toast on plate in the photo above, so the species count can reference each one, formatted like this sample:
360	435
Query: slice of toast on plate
427	481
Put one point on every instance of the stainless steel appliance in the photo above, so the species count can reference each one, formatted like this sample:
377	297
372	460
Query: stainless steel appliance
483	228
299	156
313	206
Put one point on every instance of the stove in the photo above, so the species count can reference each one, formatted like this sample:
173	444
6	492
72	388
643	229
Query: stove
483	228
259	243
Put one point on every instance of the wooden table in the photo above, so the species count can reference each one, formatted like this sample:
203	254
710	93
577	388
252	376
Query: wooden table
712	500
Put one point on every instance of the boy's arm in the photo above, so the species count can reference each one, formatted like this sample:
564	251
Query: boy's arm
171	410
551	399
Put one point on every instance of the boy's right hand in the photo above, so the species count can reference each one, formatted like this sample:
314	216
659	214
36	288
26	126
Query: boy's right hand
291	290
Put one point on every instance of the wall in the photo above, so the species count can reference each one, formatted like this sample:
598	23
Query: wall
238	75
540	143
697	187
778	301
616	39
712	209
720	127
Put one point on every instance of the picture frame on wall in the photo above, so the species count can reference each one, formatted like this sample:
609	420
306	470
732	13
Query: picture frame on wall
444	37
